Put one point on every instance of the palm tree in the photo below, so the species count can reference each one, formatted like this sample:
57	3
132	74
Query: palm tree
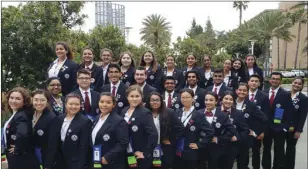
156	31
272	24
240	5
299	17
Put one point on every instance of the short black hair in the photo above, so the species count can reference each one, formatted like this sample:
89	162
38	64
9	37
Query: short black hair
254	75
83	71
190	91
111	65
276	73
192	71
169	78
213	94
219	70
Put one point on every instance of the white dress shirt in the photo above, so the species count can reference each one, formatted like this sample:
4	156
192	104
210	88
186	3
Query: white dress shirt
239	105
226	79
210	119
167	96
254	94
217	87
194	89
84	95
105	71
98	126
250	70
127	116
55	68
157	125
116	85
270	92
65	126
296	94
5	126
186	115
207	75
170	73
143	86
90	66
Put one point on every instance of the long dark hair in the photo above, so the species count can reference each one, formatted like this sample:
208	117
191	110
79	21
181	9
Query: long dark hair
162	109
154	63
131	57
242	71
69	53
46	95
254	57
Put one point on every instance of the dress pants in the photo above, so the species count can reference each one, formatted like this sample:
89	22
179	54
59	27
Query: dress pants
291	150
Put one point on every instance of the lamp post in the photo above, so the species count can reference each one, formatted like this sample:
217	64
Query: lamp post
252	42
237	54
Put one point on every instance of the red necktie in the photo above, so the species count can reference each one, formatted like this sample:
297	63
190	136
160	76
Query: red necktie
87	105
114	90
252	97
272	97
215	90
169	101
209	114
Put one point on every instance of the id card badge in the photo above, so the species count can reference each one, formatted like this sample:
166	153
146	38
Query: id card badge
97	153
157	153
179	147
38	154
291	129
131	159
278	114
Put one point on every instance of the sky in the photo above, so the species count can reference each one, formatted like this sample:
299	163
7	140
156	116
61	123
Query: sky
180	15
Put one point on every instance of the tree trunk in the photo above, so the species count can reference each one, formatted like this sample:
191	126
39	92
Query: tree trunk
297	44
285	55
278	56
241	13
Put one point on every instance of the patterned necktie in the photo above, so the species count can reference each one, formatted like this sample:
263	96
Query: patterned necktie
209	114
87	105
169	101
252	97
114	90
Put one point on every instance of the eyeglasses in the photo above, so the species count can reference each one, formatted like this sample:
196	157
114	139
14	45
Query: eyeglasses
84	78
155	100
54	85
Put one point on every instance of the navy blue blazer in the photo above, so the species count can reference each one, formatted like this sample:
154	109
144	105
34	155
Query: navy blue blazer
199	98
300	115
284	101
203	82
142	131
67	76
242	77
120	96
147	89
96	76
232	82
222	90
154	79
94	103
106	80
198	130
223	128
239	122
128	77
41	132
178	76
113	138
74	150
255	118
19	134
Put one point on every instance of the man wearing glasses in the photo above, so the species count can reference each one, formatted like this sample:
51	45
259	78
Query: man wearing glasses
90	98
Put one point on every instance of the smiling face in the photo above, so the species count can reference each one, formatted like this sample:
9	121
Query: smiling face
207	61
106	57
210	102
275	81
60	51
227	65
87	55
218	78
39	102
106	104
126	60
114	75
237	65
169	85
155	102
148	58
192	79
84	81
134	98
54	87
73	105
227	102
242	92
297	85
170	62
16	101
250	60
254	83
187	99
140	76
191	60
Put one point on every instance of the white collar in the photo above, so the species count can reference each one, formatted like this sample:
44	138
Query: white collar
56	61
90	66
194	89
276	90
254	93
218	86
143	85
189	111
166	93
83	91
116	85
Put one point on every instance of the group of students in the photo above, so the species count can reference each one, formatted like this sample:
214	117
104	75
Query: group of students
118	116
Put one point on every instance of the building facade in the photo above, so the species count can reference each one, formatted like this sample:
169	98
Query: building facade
107	13
284	53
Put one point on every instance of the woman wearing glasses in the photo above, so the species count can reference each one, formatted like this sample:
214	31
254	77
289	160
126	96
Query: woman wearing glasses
56	101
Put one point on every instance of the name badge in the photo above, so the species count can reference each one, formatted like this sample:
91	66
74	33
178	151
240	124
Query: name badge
278	115
157	153
179	147
38	154
97	152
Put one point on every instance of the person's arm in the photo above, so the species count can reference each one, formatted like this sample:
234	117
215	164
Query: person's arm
150	130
